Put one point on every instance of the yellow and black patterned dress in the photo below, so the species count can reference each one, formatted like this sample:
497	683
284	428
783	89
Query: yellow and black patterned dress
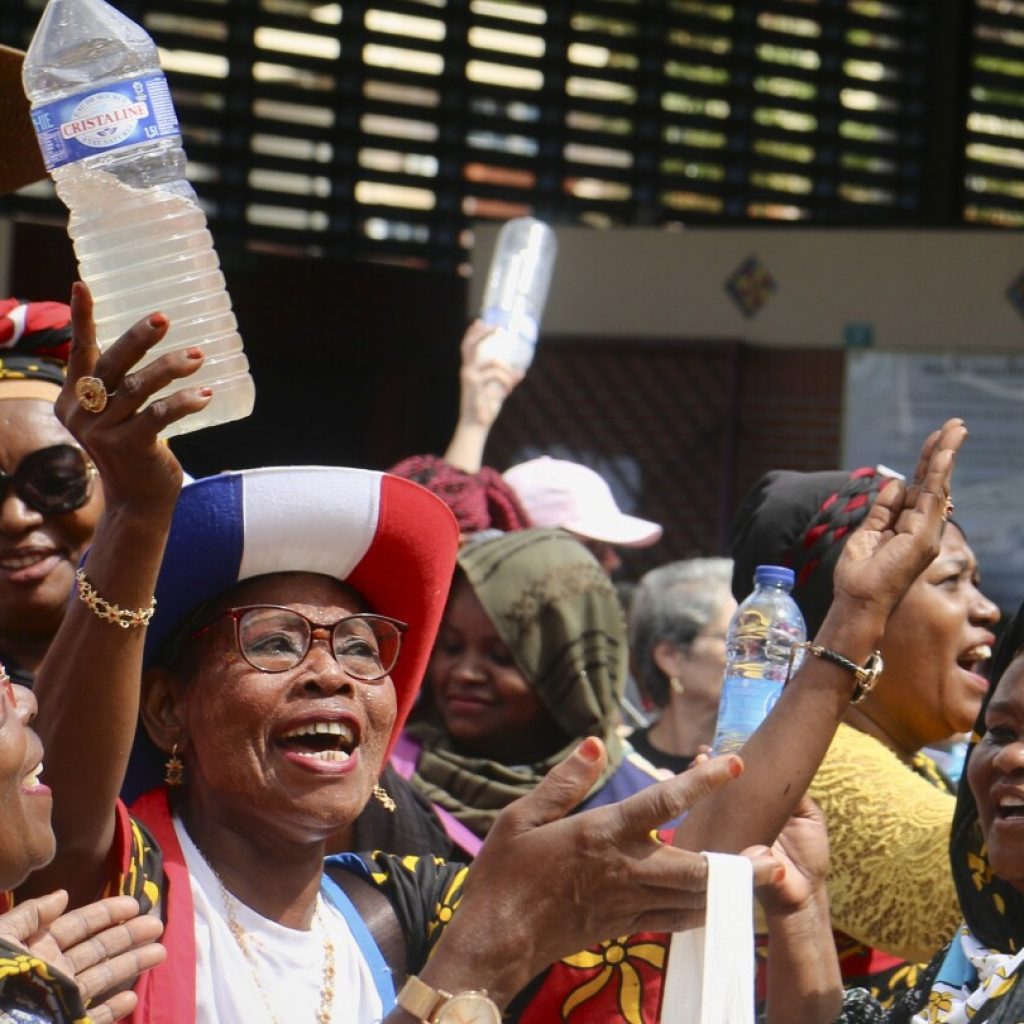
33	992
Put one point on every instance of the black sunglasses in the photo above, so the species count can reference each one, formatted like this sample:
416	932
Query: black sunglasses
51	480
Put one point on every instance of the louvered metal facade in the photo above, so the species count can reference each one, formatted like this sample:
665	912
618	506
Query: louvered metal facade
381	129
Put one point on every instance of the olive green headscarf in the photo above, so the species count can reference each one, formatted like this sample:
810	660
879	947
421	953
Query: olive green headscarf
555	608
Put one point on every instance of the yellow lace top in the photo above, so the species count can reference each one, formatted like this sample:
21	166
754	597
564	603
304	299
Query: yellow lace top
890	885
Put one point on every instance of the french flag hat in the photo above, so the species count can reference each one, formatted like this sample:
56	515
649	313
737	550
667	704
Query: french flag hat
389	539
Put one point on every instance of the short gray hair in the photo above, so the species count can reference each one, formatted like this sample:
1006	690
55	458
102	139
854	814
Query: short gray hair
674	602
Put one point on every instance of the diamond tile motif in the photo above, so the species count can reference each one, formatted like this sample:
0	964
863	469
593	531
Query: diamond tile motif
751	286
1015	293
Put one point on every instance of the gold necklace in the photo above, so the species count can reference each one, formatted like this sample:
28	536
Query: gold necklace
241	937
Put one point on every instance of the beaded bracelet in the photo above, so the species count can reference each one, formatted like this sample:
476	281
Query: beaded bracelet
124	617
866	675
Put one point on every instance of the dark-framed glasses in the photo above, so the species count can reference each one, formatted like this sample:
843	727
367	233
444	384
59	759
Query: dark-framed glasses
273	638
51	480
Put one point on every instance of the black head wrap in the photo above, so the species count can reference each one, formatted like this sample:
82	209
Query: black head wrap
801	520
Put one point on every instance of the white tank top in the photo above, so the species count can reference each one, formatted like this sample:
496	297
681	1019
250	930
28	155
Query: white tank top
288	962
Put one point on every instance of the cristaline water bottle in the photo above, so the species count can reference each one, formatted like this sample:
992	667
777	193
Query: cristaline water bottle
109	135
516	290
758	644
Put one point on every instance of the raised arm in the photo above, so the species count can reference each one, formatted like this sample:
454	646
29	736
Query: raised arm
88	685
545	886
484	384
894	544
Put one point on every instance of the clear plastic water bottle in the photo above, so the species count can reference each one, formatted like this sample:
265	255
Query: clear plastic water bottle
516	290
109	135
758	644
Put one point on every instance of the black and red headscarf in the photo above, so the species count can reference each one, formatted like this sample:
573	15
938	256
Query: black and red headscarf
34	341
801	520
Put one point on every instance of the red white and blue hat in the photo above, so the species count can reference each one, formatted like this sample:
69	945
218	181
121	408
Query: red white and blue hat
388	538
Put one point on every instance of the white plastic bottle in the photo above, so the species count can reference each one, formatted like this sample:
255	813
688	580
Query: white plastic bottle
758	644
516	290
109	135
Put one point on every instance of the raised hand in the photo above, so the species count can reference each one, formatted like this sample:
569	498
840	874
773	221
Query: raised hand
103	946
135	467
559	884
898	539
88	684
485	382
901	533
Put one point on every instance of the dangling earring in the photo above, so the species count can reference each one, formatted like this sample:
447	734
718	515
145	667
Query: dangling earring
381	794
676	685
174	769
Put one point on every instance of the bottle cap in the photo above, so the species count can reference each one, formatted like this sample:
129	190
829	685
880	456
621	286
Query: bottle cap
773	574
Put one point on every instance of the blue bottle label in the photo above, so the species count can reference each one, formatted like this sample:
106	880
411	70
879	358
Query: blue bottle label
745	703
112	117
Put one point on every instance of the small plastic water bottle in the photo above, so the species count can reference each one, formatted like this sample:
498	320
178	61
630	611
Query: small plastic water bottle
516	290
109	135
758	644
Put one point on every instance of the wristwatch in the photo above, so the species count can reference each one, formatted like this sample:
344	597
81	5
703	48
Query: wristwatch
866	675
434	1006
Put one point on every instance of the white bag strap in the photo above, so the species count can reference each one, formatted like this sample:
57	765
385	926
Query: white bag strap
710	975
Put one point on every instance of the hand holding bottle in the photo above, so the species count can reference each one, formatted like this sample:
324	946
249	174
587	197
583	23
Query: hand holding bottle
516	290
485	382
106	125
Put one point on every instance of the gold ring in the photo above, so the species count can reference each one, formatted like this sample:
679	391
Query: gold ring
948	507
92	394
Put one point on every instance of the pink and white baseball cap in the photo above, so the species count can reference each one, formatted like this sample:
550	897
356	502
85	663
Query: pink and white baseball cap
564	494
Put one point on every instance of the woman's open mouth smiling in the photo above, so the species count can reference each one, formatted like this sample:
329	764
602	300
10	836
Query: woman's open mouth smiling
1010	806
30	784
27	565
322	743
974	661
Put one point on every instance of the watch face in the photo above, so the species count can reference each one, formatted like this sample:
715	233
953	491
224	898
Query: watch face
469	1008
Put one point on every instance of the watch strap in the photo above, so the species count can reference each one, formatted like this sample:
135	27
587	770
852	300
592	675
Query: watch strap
421	1000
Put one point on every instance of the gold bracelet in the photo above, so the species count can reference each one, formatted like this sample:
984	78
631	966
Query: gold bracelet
126	618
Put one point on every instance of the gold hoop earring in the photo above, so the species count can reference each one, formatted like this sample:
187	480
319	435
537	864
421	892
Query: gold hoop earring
174	769
676	685
385	798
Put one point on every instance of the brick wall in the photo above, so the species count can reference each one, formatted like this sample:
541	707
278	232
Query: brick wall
681	431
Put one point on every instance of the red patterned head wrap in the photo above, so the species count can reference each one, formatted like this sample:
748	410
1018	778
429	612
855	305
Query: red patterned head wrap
480	501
